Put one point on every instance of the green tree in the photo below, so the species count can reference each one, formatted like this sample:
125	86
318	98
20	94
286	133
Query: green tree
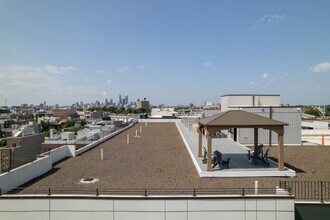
83	122
45	126
68	124
313	111
3	142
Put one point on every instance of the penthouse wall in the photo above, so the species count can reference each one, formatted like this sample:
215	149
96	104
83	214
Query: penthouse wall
289	115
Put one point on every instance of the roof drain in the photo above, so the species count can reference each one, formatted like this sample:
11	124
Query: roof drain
88	180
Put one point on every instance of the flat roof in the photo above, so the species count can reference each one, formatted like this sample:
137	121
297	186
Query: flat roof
158	159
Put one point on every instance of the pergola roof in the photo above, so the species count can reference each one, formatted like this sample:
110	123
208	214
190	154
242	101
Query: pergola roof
239	119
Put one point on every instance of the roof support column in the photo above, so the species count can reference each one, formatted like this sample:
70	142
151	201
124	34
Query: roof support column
200	134
209	152
255	138
280	151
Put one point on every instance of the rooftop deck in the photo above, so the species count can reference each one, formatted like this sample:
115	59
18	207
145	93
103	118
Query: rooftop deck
239	164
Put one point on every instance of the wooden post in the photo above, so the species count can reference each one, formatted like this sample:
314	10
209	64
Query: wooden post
140	129
200	135
322	140
127	138
209	152
280	152
255	138
101	153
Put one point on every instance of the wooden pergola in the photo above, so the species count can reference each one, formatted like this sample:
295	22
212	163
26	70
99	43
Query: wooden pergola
239	119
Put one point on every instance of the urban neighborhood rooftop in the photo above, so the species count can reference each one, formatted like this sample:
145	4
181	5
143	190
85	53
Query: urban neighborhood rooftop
158	159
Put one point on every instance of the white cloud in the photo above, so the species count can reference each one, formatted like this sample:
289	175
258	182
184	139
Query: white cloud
104	93
141	67
207	64
268	78
33	84
321	67
266	20
59	70
109	81
124	69
254	83
286	74
265	76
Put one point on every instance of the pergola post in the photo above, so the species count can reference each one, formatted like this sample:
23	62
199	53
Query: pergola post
209	151
255	138
280	151
200	135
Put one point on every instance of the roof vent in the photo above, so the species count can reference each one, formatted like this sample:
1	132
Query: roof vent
88	180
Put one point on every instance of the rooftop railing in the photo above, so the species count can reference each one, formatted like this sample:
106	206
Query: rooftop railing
149	192
308	191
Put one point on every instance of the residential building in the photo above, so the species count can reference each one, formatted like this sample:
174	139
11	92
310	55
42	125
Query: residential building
163	113
20	149
64	114
142	104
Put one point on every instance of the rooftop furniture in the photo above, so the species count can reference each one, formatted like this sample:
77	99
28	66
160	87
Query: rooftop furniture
258	154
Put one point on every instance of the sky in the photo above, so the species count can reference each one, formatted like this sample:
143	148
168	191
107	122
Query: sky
171	52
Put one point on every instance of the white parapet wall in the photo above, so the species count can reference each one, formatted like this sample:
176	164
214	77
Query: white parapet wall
160	120
25	173
197	208
315	132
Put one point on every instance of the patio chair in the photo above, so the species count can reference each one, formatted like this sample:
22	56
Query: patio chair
258	154
217	159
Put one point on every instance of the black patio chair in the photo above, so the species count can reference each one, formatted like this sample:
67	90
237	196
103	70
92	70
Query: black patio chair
258	154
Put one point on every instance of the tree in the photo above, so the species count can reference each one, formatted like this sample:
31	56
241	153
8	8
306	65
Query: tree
45	126
83	122
69	123
3	142
313	111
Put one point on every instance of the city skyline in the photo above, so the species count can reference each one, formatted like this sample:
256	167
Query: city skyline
171	52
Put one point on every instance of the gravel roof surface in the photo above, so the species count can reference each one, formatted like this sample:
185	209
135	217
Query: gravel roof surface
159	160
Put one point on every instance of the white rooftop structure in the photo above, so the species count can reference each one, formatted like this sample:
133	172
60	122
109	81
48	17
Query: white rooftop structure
163	112
236	101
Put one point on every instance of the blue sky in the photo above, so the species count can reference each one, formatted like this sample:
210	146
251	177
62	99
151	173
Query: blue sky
171	52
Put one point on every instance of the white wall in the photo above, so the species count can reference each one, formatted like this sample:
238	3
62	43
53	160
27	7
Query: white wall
315	132
159	120
236	101
144	209
25	173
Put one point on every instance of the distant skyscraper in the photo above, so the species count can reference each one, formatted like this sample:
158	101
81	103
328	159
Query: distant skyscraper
125	100
120	101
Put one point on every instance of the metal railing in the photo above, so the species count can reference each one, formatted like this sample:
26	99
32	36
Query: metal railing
314	191
147	192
